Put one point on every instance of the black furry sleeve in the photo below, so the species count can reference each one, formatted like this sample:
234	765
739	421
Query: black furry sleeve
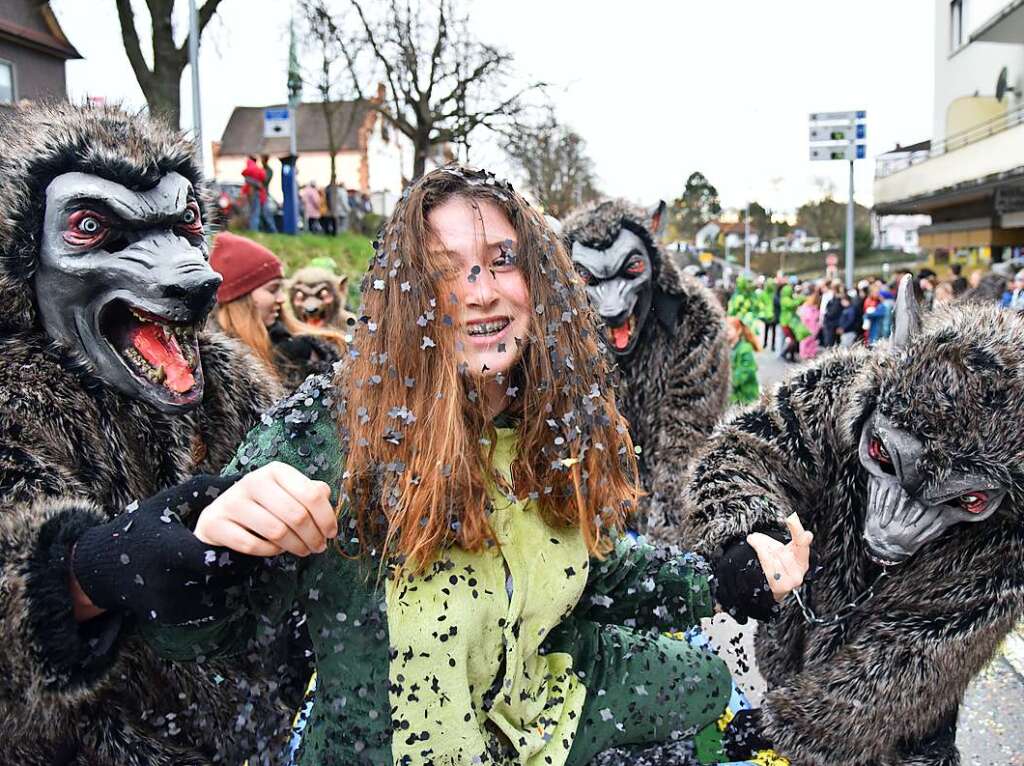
47	655
887	686
696	394
769	461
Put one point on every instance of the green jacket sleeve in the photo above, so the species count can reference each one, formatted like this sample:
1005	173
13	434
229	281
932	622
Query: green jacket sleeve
300	431
638	585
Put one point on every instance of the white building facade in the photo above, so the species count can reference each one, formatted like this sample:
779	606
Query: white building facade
969	177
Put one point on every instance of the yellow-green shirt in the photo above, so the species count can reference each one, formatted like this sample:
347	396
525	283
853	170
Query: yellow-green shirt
465	662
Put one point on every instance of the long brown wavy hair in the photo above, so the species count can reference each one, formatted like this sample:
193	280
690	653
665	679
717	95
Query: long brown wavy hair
419	446
240	319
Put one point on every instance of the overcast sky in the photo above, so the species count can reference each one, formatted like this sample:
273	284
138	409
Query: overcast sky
657	89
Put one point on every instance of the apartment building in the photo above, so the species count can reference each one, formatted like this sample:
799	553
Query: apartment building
968	177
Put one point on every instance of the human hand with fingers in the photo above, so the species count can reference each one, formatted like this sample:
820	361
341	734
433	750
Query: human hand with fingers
146	561
784	564
275	509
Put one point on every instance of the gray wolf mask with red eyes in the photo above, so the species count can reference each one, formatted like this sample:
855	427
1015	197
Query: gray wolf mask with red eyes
941	442
612	244
114	264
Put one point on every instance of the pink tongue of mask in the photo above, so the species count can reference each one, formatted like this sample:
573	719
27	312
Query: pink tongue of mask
620	336
159	347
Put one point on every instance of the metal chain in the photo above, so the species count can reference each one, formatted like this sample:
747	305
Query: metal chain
845	612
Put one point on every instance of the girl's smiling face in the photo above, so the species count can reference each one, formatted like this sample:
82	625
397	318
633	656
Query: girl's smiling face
493	299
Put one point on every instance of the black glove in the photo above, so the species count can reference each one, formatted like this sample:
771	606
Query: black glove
742	738
147	562
741	586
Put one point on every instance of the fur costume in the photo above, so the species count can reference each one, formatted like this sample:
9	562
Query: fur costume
990	289
674	374
906	462
75	450
316	296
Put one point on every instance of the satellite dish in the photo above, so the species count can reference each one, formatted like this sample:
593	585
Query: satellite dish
1001	85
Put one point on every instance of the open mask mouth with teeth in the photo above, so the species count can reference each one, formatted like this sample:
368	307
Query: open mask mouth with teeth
621	336
160	353
314	317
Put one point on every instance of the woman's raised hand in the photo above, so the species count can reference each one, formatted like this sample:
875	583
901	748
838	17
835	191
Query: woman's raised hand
272	510
784	564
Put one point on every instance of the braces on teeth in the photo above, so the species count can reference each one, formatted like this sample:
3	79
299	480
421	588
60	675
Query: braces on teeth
488	328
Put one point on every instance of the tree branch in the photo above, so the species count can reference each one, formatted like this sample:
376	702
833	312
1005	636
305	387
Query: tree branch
378	53
206	13
435	54
130	38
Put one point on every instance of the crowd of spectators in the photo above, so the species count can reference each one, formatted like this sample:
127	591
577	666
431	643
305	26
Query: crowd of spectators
333	208
325	210
798	319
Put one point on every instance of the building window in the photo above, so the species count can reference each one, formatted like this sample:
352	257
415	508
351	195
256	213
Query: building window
6	82
956	24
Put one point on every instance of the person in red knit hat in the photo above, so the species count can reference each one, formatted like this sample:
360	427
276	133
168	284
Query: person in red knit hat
250	304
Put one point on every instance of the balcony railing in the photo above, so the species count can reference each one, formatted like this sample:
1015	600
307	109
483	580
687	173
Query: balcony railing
894	162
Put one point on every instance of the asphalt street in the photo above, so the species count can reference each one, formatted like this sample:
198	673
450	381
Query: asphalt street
991	727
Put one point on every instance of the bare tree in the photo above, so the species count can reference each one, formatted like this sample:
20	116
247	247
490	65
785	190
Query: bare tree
161	85
442	83
553	158
336	50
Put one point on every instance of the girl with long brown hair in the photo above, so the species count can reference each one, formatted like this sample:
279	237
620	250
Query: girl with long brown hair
481	602
250	308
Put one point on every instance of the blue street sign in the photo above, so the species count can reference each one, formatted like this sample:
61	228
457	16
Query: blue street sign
276	122
861	148
862	131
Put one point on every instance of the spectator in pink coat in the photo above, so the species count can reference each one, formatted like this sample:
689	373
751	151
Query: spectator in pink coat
310	196
810	314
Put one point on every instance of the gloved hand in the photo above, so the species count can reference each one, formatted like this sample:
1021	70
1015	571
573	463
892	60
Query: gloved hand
742	738
741	587
147	562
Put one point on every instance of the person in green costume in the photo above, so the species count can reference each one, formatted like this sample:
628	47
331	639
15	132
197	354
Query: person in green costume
745	388
792	328
448	512
764	307
741	304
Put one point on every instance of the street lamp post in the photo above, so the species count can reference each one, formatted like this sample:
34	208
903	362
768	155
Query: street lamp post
840	136
849	233
289	180
746	242
193	63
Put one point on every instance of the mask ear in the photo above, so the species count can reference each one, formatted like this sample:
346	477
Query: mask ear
907	320
342	286
659	220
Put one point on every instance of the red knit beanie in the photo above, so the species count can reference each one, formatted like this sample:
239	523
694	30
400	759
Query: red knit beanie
244	264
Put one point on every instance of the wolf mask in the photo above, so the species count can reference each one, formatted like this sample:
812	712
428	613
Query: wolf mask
617	257
317	296
113	264
939	445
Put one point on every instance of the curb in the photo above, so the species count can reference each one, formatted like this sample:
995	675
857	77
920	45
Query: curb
1013	652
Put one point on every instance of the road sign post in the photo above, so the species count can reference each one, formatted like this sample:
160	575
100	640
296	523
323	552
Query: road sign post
840	136
277	122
